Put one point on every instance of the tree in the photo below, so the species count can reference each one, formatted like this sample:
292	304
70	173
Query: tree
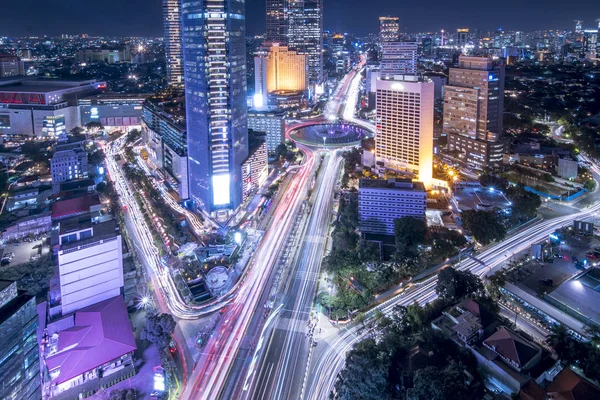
484	225
432	383
158	329
94	127
524	204
489	180
365	373
410	231
454	285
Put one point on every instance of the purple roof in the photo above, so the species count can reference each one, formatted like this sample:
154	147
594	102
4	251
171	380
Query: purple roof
102	333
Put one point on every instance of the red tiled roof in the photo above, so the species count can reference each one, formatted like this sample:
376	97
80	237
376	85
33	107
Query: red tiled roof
569	386
102	333
511	346
532	391
74	206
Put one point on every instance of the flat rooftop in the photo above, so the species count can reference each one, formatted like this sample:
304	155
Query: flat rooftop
38	85
581	295
103	230
392	184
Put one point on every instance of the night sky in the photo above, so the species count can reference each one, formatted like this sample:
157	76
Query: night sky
143	17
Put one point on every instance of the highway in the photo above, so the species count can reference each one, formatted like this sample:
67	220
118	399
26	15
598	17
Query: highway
280	374
329	358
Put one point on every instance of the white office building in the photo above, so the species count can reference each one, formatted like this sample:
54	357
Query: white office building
398	58
381	202
68	162
90	262
404	140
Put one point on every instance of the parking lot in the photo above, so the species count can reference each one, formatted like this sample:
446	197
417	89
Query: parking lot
561	262
25	251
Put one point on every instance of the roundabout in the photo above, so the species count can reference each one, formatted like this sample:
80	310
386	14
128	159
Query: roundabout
335	134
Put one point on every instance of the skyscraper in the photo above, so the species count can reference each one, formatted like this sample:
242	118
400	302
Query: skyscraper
214	50
305	34
398	58
404	140
277	21
389	29
473	110
19	351
173	48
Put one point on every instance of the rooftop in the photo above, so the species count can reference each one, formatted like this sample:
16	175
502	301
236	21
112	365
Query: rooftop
101	333
41	85
73	206
103	230
392	183
569	386
512	347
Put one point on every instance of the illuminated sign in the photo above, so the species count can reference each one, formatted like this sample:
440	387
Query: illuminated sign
397	86
94	112
221	190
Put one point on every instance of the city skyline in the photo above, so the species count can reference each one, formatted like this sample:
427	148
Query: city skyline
144	18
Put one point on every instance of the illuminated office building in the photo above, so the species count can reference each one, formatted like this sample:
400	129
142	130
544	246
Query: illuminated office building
276	69
214	49
173	48
404	140
305	34
277	21
473	110
389	29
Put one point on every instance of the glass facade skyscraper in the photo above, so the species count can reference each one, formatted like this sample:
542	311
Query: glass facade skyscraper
173	51
277	21
305	34
19	352
214	50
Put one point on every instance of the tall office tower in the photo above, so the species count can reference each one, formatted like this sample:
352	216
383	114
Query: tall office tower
173	47
305	34
276	69
404	140
214	49
19	351
389	29
578	26
277	21
398	58
473	110
462	36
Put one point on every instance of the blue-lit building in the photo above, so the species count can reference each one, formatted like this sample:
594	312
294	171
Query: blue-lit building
19	351
214	51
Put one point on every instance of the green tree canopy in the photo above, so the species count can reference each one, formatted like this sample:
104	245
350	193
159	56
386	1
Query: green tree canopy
524	204
484	225
158	329
410	231
432	383
454	285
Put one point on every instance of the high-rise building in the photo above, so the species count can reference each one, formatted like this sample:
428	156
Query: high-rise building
11	66
272	123
473	110
404	140
398	58
305	34
462	36
381	202
173	41
277	68
389	29
19	351
214	49
277	21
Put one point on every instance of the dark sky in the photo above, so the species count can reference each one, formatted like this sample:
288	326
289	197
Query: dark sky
143	17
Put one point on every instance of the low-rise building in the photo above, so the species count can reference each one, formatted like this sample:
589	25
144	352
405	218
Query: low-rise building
89	350
115	111
381	202
11	66
30	225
